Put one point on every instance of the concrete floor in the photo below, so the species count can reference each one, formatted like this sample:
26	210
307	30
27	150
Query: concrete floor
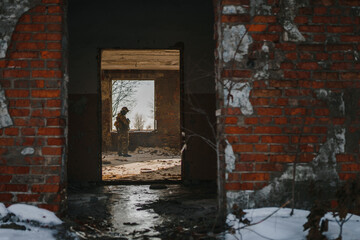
140	212
144	165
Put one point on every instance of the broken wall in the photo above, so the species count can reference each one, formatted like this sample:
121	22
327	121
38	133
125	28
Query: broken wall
33	106
288	96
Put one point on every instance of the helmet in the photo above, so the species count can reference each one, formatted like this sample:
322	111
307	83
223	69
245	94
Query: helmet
125	109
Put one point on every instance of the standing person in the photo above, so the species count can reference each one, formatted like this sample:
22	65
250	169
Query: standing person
122	125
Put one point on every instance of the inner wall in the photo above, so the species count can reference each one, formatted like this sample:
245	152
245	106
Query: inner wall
139	24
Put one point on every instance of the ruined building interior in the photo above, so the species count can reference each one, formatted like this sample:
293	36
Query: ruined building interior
234	104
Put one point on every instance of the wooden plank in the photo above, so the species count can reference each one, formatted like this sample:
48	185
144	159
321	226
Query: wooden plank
140	59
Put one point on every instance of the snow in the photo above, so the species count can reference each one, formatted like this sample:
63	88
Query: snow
27	212
3	211
282	226
39	223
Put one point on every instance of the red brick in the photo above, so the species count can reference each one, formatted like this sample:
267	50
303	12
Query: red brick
347	176
238	130
255	176
28	131
282	158
231	120
45	188
55	122
308	65
345	158
257	28
19	112
270	111
277	148
38	9
46	73
30	27
265	167
54	46
237	73
30	46
340	29
296	74
323	19
56	141
280	120
249	139
275	139
45	93
45	169
305	139
350	38
5	197
339	47
25	19
264	19
291	56
287	65
242	148
47	36
28	197
320	10
24	55
53	179
322	112
232	139
54	27
5	178
50	131
266	37
16	73
239	186
253	158
301	19
53	103
15	188
322	56
308	28
11	131
325	76
251	120
17	64
244	167
353	167
235	18
311	47
47	19
295	111
51	55
14	170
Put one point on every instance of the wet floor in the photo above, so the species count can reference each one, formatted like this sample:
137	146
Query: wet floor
141	212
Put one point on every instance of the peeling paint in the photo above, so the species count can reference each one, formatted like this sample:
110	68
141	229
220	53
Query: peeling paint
229	157
288	12
260	7
240	93
28	151
10	12
5	119
232	9
235	43
242	199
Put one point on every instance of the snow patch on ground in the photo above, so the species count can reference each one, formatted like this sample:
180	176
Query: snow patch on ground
27	212
282	226
26	222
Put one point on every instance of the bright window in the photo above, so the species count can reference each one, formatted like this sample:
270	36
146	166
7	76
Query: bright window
138	97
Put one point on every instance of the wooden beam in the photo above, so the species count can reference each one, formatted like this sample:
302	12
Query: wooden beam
140	59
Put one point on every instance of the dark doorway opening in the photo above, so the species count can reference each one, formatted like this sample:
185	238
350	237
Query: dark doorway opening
139	24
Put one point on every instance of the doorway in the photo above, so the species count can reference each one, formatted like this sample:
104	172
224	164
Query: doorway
147	84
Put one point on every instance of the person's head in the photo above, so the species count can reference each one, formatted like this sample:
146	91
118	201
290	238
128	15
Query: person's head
124	111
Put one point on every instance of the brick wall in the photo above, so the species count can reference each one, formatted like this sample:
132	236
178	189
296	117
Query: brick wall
288	92
32	77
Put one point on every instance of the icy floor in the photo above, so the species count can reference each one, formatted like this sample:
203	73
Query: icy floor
282	226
